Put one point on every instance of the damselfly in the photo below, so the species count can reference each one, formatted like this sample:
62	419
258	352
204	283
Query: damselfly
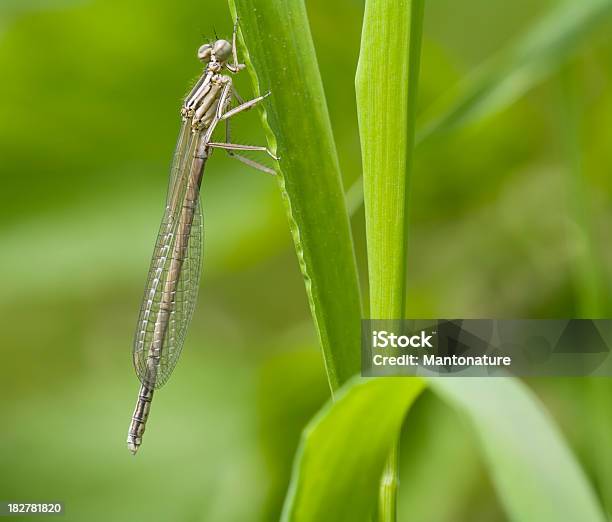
172	284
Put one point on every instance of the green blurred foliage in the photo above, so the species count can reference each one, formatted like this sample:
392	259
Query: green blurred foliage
89	103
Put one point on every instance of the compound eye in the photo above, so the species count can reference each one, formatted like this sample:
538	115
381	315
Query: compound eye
222	50
204	52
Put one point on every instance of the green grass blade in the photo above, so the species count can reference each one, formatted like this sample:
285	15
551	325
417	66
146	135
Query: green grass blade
534	471
386	509
279	53
386	85
507	76
344	448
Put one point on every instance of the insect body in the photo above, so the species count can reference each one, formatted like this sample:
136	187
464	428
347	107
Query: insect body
172	284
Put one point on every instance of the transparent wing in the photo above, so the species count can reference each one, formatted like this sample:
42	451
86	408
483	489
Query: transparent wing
185	300
172	283
182	145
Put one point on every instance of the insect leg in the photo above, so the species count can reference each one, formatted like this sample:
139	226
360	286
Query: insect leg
234	51
239	157
254	164
245	106
238	146
234	67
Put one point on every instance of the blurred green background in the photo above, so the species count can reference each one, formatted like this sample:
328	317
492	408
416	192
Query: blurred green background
89	99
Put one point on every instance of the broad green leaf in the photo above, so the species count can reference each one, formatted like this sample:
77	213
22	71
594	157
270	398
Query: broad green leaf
344	448
386	85
535	473
507	76
280	55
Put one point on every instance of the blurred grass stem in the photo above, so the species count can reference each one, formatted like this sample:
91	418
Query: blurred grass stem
587	273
